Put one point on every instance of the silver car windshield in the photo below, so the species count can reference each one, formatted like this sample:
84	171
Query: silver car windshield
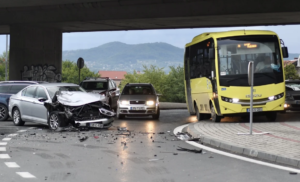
54	89
138	90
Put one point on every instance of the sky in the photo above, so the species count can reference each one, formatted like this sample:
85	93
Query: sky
176	37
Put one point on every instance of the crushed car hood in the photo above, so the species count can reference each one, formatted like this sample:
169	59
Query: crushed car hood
78	98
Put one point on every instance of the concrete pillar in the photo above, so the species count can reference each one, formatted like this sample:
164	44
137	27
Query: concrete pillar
35	53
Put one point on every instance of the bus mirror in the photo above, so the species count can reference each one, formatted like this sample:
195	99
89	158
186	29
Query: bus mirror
211	53
285	52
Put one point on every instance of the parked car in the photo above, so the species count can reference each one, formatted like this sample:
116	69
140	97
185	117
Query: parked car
104	86
292	99
7	89
58	105
138	99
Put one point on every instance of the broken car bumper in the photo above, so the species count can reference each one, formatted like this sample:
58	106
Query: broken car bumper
106	122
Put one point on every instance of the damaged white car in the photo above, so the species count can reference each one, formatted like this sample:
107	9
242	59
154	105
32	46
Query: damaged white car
60	105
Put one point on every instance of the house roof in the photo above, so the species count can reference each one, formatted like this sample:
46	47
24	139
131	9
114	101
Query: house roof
286	63
113	74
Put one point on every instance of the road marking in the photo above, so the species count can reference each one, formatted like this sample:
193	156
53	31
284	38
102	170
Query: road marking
4	156
179	129
3	143
25	174
2	149
6	139
12	135
21	131
11	164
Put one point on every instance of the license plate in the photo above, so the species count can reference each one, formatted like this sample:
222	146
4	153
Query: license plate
257	109
137	108
96	125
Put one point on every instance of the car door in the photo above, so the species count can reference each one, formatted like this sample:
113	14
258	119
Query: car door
27	103
112	94
40	111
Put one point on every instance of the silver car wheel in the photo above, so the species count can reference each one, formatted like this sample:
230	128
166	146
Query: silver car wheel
16	116
53	121
2	112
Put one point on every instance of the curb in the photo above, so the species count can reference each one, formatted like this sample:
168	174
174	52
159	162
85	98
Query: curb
242	151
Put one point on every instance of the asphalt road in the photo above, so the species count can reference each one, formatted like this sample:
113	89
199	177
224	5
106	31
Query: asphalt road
103	156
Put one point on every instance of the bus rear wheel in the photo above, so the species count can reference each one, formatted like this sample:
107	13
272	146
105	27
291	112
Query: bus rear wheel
214	117
271	116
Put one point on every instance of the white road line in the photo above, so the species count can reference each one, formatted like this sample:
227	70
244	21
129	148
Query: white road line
179	129
4	156
3	143
12	135
2	149
6	139
21	130
11	164
25	174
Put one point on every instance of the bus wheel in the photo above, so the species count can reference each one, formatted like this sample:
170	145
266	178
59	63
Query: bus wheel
271	116
214	117
199	116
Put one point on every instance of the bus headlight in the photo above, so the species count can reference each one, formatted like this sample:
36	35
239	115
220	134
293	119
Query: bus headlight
276	96
235	100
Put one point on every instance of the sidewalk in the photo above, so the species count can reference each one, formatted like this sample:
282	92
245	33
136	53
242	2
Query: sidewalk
281	146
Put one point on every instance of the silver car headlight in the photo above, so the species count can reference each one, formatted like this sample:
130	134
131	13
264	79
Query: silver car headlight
125	102
150	103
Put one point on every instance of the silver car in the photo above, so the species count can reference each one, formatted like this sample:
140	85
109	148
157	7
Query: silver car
59	104
138	99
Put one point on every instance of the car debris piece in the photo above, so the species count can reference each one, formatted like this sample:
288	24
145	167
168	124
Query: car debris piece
183	136
189	150
122	129
194	139
293	173
83	139
175	153
151	160
96	137
161	133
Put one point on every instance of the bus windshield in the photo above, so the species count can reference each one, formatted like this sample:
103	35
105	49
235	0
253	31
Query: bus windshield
234	54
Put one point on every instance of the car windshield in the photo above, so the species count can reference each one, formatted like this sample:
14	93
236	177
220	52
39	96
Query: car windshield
94	85
54	89
235	53
294	86
138	90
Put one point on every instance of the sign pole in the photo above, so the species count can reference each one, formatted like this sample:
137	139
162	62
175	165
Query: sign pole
6	57
250	82
80	64
251	96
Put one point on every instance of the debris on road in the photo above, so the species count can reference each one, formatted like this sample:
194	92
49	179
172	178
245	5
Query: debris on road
122	128
189	150
161	133
183	136
151	160
293	173
96	137
83	139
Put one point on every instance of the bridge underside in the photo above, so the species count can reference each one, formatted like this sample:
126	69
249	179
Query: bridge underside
107	15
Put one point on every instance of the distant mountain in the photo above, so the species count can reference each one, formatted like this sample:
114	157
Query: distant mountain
121	56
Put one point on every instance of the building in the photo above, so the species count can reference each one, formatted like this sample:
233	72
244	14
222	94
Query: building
117	76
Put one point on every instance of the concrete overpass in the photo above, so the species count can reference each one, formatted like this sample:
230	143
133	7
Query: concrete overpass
36	26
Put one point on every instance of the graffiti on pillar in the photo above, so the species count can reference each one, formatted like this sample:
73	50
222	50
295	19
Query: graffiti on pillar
41	73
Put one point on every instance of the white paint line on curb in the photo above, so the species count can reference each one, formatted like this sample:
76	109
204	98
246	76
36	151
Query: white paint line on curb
4	156
2	149
12	135
21	130
11	164
179	129
25	174
3	143
6	139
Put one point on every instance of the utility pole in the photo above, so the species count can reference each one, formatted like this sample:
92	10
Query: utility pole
6	57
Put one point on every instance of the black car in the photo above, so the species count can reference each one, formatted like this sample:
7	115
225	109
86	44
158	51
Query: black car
104	86
7	89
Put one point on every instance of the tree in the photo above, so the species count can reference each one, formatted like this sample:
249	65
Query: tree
291	72
70	72
175	85
2	66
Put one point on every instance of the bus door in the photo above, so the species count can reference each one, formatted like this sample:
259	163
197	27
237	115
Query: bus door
188	80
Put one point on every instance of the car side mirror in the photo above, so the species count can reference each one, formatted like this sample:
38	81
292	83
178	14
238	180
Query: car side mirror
42	99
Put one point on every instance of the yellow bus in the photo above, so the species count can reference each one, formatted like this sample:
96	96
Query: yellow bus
216	74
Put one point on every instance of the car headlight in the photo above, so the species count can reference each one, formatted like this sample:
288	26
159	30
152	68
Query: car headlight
124	102
150	103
